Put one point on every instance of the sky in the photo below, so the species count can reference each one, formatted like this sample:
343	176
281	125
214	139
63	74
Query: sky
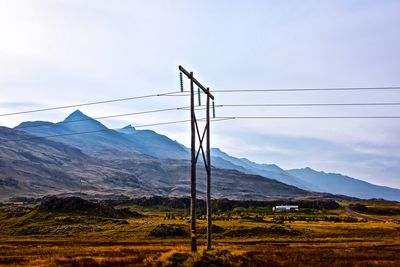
55	53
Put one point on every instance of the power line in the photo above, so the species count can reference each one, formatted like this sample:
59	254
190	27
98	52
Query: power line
180	121
91	103
308	104
57	135
314	117
299	105
217	106
60	135
107	129
306	89
106	117
180	94
220	106
217	119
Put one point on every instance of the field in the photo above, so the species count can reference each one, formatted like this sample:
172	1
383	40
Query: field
243	236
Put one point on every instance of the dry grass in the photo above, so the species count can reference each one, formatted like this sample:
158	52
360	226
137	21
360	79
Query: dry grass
110	243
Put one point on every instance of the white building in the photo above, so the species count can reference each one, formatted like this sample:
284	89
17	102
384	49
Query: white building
285	208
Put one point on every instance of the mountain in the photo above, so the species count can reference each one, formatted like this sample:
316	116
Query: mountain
307	178
267	170
98	138
173	176
37	166
34	167
339	184
154	144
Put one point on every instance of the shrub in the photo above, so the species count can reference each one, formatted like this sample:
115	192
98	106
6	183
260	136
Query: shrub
169	230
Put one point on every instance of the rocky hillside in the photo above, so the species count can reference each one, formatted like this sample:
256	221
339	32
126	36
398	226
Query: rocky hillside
98	138
32	166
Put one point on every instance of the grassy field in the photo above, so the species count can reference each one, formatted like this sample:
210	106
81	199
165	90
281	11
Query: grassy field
243	237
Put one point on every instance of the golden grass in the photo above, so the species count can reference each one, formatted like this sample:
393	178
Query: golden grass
109	244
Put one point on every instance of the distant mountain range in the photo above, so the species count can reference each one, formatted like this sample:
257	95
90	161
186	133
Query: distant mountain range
339	184
100	143
312	180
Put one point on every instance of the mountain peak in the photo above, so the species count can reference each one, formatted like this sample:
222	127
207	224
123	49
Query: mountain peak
76	115
129	129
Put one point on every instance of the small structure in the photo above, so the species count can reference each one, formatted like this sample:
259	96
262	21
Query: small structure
285	208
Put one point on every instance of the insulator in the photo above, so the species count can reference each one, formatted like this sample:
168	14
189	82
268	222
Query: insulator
213	107
199	96
181	79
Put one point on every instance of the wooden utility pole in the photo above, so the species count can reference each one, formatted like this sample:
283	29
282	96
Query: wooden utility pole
193	160
194	128
208	166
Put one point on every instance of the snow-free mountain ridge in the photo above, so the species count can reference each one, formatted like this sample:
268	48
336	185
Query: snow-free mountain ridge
148	142
35	167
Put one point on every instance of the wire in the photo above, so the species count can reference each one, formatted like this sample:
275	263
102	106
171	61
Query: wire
180	94
57	135
218	106
308	104
217	119
173	122
107	129
106	117
201	107
217	91
306	89
91	103
314	117
202	119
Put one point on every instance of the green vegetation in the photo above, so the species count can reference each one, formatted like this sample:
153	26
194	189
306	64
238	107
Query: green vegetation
374	210
170	230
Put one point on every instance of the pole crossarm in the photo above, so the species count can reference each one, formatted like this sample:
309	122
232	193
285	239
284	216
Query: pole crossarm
205	90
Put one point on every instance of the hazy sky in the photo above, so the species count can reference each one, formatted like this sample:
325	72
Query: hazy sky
64	52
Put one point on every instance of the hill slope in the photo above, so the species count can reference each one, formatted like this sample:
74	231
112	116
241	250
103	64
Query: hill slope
98	137
37	166
267	170
128	139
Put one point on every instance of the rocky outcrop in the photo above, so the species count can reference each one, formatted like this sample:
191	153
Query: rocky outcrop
80	205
